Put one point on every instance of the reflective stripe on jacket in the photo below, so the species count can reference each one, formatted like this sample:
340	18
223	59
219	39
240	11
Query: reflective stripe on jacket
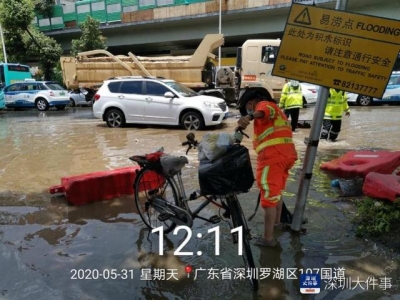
291	97
336	105
271	130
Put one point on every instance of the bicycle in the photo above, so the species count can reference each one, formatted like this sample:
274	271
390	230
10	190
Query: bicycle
162	202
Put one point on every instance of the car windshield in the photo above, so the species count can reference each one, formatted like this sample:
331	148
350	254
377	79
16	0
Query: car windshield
181	89
394	80
54	86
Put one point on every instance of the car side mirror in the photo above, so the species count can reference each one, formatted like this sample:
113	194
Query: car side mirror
169	95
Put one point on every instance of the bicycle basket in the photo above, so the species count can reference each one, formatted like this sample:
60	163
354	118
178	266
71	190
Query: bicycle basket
230	173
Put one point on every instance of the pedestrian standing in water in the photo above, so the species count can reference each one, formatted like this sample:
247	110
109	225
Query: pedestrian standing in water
291	101
332	123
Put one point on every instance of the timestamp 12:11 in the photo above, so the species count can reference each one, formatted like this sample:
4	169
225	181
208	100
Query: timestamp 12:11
179	250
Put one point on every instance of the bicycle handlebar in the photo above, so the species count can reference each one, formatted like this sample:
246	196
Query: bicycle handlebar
192	143
240	130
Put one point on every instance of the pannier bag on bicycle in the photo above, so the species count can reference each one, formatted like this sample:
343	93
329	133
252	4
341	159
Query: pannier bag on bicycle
232	172
214	145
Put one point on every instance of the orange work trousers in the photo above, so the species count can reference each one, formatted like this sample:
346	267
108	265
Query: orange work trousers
272	173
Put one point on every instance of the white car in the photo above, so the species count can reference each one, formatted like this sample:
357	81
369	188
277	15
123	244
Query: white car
358	99
80	97
310	93
39	94
148	100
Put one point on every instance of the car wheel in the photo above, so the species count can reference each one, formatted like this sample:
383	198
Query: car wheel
115	118
192	121
304	102
364	100
41	104
72	102
60	107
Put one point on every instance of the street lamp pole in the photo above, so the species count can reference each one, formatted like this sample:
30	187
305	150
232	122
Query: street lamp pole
219	31
4	46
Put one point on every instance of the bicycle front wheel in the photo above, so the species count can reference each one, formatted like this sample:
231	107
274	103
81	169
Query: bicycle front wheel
152	188
238	219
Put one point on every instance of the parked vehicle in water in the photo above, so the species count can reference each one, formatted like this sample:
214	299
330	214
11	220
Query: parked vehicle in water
145	100
391	95
80	96
39	94
310	93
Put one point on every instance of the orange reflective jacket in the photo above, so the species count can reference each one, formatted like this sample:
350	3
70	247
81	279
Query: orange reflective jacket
271	130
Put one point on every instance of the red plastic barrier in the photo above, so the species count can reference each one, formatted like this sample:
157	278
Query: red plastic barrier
103	185
382	186
360	163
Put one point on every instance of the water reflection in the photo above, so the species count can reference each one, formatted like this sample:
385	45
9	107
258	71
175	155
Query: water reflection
272	287
51	237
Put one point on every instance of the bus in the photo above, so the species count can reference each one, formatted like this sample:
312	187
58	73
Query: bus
12	73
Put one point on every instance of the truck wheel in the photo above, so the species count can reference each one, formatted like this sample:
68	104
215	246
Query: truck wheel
115	118
364	100
41	104
192	121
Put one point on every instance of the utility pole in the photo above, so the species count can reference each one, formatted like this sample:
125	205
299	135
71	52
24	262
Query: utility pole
312	146
4	46
220	31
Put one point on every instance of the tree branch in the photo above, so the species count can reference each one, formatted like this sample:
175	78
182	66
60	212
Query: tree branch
34	40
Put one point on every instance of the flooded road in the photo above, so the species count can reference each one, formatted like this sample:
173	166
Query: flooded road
48	247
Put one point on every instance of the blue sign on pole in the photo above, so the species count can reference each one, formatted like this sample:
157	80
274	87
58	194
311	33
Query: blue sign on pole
310	283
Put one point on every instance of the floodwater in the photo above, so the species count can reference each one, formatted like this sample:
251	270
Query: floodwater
49	249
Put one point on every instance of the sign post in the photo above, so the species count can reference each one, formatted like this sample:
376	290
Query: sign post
312	147
333	49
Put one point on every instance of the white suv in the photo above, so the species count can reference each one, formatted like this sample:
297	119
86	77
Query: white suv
148	100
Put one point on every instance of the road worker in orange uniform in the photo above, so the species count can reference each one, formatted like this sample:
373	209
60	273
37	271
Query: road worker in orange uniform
273	143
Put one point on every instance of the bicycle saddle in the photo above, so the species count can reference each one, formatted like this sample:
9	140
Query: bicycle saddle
172	164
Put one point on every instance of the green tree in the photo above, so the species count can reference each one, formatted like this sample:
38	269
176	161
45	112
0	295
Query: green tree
15	47
91	38
44	7
16	14
23	40
49	53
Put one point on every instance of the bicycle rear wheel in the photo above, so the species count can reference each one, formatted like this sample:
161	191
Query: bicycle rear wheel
238	219
150	188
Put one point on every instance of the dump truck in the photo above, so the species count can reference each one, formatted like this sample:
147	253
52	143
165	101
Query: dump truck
254	63
89	69
199	71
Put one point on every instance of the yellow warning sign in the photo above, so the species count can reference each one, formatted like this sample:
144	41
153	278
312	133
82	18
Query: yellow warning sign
303	17
338	49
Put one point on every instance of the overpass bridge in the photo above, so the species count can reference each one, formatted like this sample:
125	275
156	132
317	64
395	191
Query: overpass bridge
179	29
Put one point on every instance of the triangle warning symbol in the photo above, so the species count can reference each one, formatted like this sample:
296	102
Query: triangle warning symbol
303	17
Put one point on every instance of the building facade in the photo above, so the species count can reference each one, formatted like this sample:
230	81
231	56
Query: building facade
146	27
